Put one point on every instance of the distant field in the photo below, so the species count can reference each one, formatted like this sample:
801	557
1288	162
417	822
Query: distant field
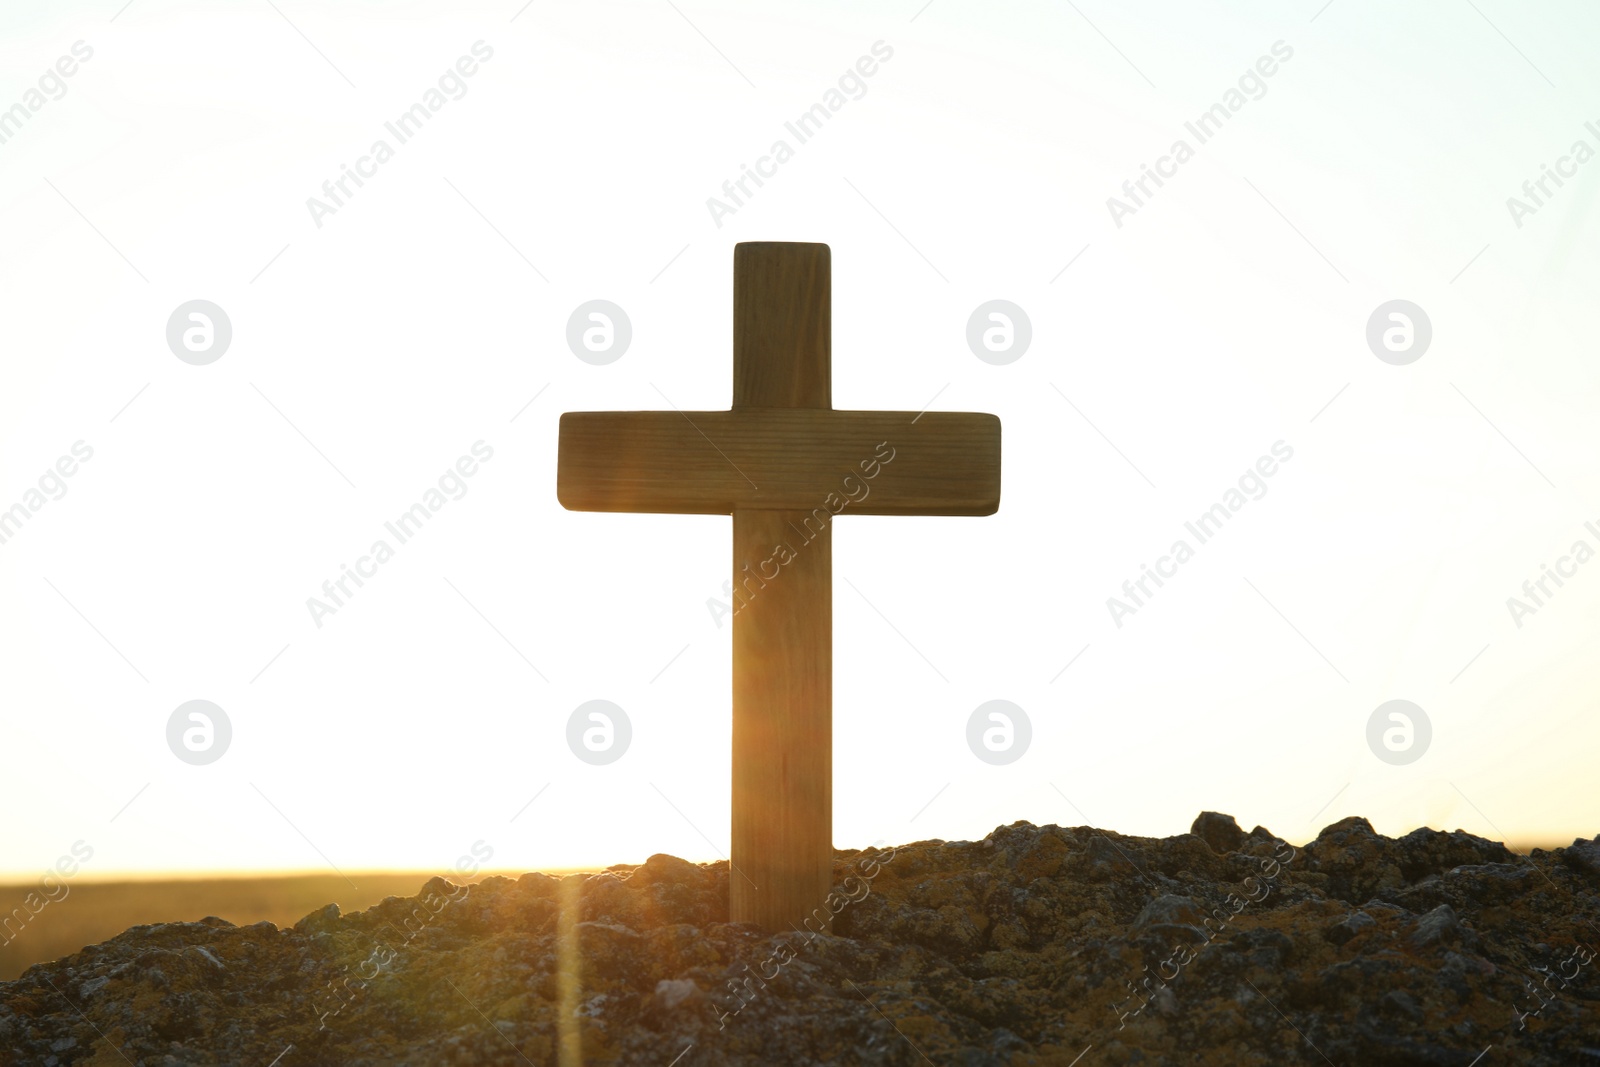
93	912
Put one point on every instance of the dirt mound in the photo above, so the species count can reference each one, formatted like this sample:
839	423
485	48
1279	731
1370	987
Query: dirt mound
1037	945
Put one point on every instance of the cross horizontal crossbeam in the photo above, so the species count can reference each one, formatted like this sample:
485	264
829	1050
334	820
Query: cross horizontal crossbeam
710	462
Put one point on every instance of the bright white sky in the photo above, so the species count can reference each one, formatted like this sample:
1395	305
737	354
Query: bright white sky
1228	313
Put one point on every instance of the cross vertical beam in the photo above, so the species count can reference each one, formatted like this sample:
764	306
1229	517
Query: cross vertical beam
782	325
782	836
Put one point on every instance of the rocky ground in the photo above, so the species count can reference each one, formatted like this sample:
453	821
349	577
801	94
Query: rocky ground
1036	946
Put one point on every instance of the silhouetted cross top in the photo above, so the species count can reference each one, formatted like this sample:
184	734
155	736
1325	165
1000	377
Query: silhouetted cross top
784	464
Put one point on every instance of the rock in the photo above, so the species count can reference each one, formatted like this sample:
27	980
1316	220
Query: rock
201	950
323	919
1348	927
672	992
662	868
1585	855
1219	831
1168	915
1438	926
1022	948
1041	858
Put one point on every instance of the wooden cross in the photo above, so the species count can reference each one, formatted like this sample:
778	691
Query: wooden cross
780	462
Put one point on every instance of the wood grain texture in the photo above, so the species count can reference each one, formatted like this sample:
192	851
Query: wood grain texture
710	462
782	839
782	815
782	325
